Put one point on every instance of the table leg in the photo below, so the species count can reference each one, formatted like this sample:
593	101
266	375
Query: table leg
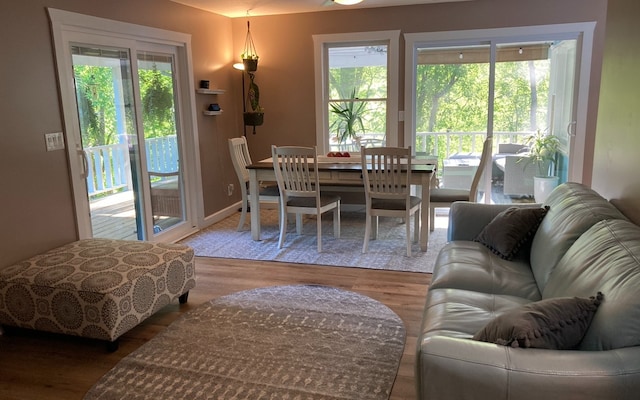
254	201
424	217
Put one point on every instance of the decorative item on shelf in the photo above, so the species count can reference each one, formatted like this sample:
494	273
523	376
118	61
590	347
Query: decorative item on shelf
214	107
543	150
204	84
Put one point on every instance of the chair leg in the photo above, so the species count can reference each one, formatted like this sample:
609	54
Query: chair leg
408	235
432	218
283	226
299	223
367	233
336	221
243	214
416	225
319	231
374	227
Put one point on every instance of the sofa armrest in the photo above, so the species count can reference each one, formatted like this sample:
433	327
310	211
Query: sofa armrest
491	371
467	219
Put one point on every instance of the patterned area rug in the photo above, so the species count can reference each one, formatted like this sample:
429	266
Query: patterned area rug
387	252
280	342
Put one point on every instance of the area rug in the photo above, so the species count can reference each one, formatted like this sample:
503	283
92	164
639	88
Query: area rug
388	252
280	342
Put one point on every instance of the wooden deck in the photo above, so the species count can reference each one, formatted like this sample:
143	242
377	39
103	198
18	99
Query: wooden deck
114	217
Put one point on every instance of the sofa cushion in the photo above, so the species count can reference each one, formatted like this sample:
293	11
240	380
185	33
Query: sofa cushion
461	313
606	258
557	324
510	230
574	208
471	266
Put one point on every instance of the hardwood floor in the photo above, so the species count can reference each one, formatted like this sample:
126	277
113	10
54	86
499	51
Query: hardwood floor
36	365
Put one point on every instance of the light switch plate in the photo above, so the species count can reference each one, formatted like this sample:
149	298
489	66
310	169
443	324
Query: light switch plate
54	141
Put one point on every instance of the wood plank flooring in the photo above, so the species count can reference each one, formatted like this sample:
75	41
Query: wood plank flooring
36	365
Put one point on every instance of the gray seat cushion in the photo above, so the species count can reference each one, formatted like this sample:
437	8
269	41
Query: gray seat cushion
462	313
392	204
444	195
471	266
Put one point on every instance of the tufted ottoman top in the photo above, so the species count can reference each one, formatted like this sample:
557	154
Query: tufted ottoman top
95	265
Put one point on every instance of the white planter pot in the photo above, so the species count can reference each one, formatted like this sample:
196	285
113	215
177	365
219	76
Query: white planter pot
542	186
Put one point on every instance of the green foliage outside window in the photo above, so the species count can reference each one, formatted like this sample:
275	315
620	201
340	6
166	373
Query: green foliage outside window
97	107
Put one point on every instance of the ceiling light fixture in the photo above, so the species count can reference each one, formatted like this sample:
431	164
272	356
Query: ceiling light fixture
347	2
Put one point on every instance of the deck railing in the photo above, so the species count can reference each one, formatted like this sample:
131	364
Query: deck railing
109	166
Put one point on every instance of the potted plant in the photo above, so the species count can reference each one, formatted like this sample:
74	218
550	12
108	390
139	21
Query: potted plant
250	62
254	117
349	119
543	150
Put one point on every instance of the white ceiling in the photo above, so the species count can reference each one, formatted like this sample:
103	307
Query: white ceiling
242	8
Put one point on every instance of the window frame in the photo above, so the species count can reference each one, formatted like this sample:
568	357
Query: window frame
321	63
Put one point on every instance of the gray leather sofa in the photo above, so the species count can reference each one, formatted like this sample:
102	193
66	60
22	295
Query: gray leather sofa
583	245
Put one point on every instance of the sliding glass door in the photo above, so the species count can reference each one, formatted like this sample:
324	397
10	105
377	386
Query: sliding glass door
125	123
122	166
462	88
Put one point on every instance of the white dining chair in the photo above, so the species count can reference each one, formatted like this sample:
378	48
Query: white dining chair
296	170
444	197
240	158
387	176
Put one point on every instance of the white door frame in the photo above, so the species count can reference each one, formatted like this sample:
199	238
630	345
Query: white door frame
66	26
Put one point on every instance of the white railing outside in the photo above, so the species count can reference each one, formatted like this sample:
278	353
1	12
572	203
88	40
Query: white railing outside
109	166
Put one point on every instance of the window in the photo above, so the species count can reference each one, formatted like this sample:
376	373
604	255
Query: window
356	90
533	78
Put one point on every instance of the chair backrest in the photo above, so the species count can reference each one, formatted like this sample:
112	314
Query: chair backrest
240	157
296	171
386	172
484	159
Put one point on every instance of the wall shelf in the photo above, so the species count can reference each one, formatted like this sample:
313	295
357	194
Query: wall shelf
210	91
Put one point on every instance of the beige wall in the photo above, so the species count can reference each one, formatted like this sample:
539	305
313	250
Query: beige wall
617	161
36	198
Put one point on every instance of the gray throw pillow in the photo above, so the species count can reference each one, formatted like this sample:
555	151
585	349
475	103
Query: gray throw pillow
510	230
558	323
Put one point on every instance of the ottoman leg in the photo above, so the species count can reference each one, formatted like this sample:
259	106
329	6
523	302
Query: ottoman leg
183	299
113	346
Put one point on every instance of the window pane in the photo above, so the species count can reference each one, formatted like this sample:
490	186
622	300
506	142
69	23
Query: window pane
452	87
357	96
356	123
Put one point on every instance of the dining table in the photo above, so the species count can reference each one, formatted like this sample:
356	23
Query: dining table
342	171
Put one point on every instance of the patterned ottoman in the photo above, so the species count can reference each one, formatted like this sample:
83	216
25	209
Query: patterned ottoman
95	288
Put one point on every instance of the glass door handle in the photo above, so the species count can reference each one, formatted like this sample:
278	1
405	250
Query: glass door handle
571	129
85	164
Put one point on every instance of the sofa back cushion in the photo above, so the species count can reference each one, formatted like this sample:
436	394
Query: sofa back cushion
606	258
573	208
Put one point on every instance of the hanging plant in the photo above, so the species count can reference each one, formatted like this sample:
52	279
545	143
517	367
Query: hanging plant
249	53
255	117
